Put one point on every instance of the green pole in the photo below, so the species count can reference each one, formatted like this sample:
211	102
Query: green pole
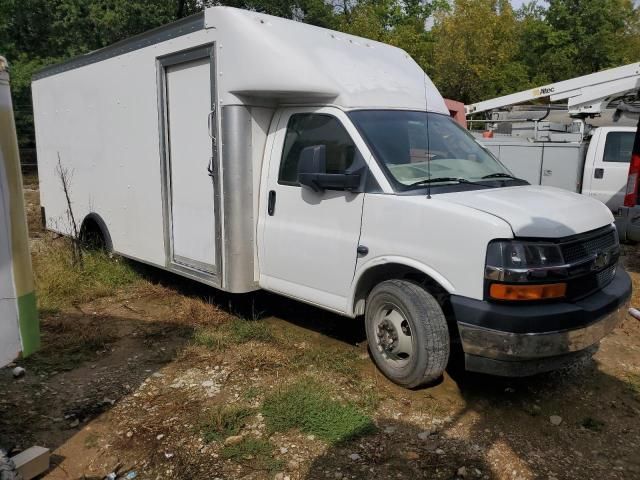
17	221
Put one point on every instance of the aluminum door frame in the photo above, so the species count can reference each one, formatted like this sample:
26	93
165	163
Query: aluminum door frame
185	56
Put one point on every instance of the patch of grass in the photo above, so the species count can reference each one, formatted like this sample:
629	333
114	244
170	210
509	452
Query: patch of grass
592	424
308	406
197	311
223	422
633	382
251	393
367	396
236	331
331	359
60	284
253	452
211	338
243	331
92	440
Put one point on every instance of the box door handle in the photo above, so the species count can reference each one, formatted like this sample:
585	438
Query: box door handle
271	206
598	173
210	167
210	125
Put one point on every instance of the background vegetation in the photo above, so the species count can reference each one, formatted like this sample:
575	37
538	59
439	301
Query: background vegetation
472	49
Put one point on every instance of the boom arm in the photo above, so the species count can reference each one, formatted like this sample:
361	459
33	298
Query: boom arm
587	95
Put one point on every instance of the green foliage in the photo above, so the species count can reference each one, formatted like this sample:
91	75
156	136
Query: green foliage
308	406
60	284
253	452
474	56
476	49
224	421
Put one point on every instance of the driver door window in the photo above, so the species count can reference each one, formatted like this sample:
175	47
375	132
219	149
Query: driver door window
309	129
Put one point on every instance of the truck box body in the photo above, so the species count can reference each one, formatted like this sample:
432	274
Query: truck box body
246	151
541	163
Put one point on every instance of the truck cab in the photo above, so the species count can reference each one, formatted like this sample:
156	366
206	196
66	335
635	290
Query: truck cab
606	165
400	216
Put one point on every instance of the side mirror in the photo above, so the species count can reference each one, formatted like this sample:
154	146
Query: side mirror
312	172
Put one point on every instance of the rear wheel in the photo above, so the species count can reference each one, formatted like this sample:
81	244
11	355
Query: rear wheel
407	333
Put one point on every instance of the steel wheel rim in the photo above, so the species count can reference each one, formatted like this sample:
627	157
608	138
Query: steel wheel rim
393	336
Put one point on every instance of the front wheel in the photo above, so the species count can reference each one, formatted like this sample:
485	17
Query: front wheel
407	333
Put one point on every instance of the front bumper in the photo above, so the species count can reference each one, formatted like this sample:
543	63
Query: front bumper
520	340
627	221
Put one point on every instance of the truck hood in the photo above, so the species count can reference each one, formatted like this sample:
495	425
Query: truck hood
534	211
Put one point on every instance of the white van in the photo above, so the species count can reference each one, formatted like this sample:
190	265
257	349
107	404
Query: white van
247	151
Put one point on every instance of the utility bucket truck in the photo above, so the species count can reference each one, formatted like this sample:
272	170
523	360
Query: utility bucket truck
574	156
246	151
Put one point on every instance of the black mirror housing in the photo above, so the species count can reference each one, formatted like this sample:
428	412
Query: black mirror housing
312	172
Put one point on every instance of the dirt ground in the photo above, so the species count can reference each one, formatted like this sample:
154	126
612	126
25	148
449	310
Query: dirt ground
129	383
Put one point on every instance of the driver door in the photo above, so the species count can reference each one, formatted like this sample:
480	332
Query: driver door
310	239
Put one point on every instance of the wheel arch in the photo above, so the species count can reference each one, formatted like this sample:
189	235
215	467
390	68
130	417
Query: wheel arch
93	224
388	268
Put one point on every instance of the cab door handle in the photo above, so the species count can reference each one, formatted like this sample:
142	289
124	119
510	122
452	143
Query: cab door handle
598	173
271	205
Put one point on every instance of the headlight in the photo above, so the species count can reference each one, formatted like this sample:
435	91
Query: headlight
517	270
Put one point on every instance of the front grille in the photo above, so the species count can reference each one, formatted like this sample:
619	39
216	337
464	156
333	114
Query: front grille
585	248
582	252
604	277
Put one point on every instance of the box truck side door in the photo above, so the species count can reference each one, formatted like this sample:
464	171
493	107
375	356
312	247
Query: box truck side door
191	224
309	240
607	165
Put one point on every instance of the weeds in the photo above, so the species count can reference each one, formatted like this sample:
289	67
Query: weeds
251	393
61	284
236	331
256	453
196	311
633	383
223	422
308	406
331	359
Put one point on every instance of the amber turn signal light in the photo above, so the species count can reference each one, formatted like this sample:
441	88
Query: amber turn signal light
500	291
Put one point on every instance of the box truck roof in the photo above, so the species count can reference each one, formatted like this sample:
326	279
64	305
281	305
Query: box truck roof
261	58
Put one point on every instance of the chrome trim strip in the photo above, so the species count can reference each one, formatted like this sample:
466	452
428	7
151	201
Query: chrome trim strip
238	198
485	342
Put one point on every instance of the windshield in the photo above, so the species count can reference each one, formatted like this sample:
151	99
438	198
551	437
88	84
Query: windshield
448	154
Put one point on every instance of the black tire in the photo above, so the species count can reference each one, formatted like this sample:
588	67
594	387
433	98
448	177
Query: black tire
427	328
7	468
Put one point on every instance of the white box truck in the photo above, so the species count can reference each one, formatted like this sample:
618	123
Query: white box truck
247	151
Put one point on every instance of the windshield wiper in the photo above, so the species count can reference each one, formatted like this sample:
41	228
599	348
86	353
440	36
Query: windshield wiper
427	181
501	175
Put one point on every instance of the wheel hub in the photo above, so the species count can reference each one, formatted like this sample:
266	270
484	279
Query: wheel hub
387	336
393	335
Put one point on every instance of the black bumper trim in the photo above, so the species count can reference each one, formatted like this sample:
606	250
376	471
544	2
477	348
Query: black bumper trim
544	317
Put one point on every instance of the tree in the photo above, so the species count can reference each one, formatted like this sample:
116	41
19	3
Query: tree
397	22
584	36
473	52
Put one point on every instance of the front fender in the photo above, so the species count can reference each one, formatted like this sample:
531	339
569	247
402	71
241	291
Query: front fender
374	262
